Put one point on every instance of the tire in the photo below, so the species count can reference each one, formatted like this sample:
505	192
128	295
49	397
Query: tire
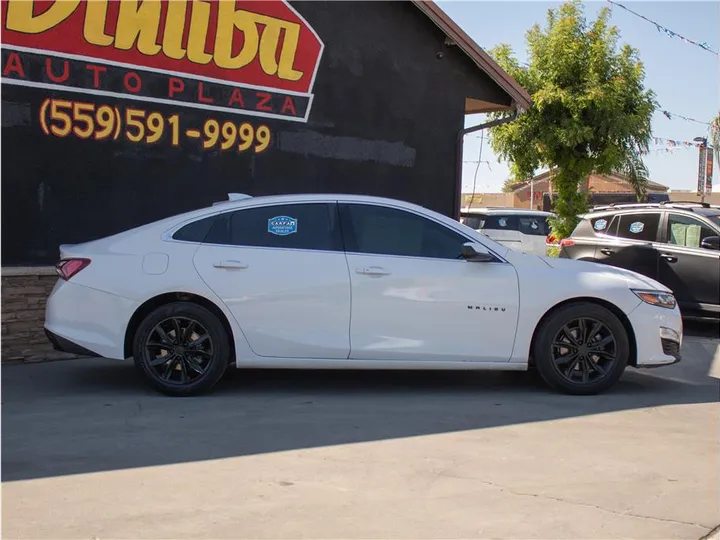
195	363
601	356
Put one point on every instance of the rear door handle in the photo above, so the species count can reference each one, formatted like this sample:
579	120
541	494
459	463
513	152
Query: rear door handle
230	265
606	251
669	257
372	271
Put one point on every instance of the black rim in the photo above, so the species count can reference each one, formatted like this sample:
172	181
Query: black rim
179	350
584	350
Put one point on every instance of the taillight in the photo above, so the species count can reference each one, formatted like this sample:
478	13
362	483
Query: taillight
67	268
550	239
567	242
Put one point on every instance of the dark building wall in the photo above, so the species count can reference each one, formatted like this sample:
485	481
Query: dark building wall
384	121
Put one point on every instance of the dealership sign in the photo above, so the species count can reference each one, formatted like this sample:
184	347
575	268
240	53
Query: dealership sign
252	58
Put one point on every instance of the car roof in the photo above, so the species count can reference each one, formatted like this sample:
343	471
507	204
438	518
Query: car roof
704	209
504	210
240	200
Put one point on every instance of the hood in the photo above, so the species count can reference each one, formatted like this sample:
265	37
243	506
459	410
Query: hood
633	279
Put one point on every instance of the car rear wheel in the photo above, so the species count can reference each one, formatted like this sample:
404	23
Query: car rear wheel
182	348
581	349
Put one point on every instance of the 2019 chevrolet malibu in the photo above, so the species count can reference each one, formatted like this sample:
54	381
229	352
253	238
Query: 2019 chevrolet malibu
345	281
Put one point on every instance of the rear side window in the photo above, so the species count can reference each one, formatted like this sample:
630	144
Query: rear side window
604	225
474	221
312	226
534	225
501	223
196	231
643	227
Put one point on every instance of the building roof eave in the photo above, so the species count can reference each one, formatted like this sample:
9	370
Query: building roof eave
520	97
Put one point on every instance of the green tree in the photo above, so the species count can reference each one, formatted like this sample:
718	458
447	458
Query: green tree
590	111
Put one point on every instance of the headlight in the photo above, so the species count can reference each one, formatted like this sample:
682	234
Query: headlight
657	298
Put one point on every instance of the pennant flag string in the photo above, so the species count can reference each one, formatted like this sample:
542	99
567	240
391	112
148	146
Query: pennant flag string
672	116
660	28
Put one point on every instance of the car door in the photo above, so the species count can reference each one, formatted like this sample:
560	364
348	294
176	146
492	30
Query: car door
414	298
281	271
691	271
631	242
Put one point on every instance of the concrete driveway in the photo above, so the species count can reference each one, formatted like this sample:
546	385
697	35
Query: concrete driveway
89	452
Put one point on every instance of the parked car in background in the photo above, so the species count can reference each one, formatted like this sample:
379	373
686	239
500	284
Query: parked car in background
527	231
345	281
677	244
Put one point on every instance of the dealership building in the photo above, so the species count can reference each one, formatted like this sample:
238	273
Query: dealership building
116	114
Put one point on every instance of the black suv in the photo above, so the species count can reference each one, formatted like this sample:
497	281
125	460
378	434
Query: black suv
677	244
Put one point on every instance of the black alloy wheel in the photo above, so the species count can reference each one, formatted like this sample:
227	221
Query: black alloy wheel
182	348
581	348
179	349
584	350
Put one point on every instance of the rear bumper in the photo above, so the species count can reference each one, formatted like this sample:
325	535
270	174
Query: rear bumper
82	318
65	345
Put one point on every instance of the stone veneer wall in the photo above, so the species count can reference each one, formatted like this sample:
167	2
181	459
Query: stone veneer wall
24	292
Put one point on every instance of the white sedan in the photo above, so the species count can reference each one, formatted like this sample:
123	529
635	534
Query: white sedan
345	281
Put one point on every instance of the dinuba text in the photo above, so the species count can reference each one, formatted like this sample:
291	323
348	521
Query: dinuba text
63	118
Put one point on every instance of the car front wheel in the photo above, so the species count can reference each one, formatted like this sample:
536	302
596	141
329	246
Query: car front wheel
581	349
182	348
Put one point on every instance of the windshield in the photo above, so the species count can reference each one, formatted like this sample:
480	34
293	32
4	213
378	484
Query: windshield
714	219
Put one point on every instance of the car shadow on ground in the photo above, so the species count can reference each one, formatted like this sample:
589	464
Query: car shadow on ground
92	415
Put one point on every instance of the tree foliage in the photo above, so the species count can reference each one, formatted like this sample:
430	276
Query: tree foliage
590	111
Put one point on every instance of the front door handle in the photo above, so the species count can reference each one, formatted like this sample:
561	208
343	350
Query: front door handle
606	251
372	271
669	257
230	265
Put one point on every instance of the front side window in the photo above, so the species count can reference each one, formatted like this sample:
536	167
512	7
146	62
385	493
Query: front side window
388	231
686	231
642	227
312	226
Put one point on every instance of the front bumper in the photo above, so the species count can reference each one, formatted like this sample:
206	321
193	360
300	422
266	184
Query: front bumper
658	335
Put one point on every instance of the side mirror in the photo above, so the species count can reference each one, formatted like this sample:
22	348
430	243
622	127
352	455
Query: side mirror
476	252
711	242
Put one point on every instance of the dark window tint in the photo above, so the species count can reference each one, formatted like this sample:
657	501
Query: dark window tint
387	231
604	224
687	231
474	221
295	226
533	225
643	227
196	231
501	223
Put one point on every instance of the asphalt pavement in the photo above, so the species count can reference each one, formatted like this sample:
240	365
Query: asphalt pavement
88	451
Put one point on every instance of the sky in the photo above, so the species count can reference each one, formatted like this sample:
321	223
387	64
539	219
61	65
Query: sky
684	77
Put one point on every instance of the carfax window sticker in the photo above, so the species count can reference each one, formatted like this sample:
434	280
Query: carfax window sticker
637	227
282	225
600	224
